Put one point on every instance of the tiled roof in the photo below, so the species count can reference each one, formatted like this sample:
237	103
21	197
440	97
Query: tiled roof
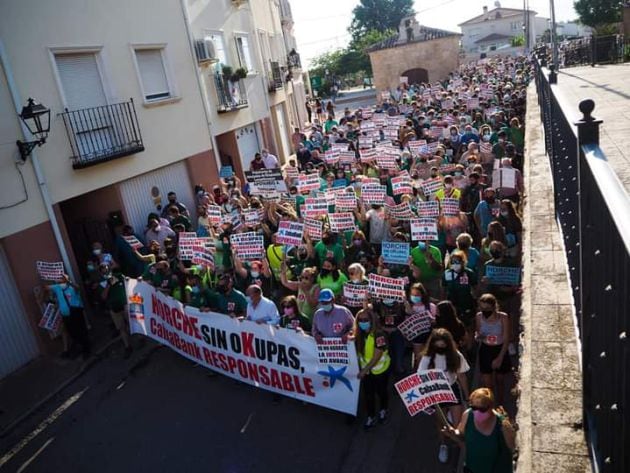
425	34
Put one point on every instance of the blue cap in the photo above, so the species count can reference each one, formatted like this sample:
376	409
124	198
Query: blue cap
326	295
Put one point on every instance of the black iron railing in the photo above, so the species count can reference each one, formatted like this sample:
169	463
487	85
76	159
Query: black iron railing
100	134
294	61
231	95
275	76
593	210
589	51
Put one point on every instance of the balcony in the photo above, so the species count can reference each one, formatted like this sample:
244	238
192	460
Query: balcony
293	60
275	76
231	95
101	134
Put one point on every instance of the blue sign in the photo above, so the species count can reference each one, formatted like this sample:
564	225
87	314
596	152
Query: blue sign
340	183
395	253
226	171
503	275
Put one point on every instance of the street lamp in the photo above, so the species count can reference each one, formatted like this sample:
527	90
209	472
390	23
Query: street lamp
36	117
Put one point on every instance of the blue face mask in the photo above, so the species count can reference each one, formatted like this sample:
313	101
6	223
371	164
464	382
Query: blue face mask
365	326
422	245
416	299
327	307
195	290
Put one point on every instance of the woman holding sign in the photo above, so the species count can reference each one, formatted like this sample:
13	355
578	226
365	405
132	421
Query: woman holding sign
374	361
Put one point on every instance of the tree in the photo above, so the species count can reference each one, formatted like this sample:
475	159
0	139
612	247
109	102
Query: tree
379	15
517	41
595	13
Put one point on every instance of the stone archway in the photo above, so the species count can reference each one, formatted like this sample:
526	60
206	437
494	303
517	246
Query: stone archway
417	75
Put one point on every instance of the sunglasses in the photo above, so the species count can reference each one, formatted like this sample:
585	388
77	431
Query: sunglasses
480	409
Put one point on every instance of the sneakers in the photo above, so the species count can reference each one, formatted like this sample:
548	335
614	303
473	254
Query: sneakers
382	416
369	423
443	453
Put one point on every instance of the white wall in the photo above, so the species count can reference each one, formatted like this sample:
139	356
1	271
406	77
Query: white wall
170	131
475	32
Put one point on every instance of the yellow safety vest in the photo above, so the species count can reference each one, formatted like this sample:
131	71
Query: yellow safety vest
368	354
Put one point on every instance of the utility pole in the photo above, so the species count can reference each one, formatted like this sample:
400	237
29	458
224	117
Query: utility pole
554	40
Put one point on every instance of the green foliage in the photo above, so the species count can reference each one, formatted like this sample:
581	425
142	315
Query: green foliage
594	13
517	41
378	15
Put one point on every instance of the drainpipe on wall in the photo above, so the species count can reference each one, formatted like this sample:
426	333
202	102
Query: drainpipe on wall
43	187
202	90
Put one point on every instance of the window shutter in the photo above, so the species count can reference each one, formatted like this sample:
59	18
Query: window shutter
153	74
80	80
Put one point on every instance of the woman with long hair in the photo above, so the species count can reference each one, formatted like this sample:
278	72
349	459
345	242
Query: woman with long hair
441	353
371	345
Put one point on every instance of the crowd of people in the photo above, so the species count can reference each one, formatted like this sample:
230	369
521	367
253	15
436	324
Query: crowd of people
461	140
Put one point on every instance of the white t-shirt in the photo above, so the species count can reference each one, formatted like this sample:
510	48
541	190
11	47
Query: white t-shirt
266	311
271	162
440	364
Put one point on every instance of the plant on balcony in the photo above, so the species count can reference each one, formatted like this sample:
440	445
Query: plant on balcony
241	72
227	72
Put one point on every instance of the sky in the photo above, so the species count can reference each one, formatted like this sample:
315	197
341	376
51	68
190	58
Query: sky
322	25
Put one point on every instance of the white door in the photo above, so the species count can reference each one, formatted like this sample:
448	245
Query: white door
83	91
248	144
282	131
17	341
141	195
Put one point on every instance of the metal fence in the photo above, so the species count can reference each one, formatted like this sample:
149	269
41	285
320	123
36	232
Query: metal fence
231	95
589	51
593	211
100	134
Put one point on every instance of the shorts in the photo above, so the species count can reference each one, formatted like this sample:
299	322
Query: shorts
487	353
119	318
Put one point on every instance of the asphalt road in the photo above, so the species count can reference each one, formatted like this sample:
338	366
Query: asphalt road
164	414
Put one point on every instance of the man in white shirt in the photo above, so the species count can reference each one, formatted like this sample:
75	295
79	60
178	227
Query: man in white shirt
271	162
260	309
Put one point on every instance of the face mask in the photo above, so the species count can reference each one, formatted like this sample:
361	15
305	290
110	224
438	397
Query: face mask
358	242
324	272
416	299
458	173
90	267
365	326
96	252
453	133
255	274
289	311
388	302
356	281
327	307
486	137
457	267
482	416
487	313
504	213
422	245
195	290
490	200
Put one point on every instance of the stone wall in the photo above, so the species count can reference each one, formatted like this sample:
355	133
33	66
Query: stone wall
437	56
550	437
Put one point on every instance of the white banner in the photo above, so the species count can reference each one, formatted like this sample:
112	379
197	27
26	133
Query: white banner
272	358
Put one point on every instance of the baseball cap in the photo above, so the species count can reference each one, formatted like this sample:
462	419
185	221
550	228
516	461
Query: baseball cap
326	295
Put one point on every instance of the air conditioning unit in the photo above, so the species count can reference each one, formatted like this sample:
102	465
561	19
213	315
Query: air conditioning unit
205	52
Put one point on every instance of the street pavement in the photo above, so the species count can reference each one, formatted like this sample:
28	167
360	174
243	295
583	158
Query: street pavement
162	413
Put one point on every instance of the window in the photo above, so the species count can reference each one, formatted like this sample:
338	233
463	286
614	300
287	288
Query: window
219	47
244	56
515	25
81	80
153	75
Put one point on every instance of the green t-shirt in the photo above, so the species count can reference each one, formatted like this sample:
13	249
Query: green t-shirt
158	279
328	282
116	297
427	273
299	321
334	250
233	302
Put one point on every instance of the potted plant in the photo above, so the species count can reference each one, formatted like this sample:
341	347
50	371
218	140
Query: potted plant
227	72
241	72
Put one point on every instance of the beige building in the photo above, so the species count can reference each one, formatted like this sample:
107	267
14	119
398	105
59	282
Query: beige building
140	105
419	53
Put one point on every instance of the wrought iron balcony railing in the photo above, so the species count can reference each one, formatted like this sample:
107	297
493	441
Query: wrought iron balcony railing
231	95
275	76
103	133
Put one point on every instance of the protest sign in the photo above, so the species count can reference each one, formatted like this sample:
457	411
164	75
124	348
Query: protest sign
424	229
401	211
424	389
431	186
383	287
385	95
339	147
372	193
250	217
402	184
269	358
248	246
354	294
415	325
391	133
340	222
332	350
186	241
226	171
338	183
201	255
447	168
504	178
214	214
331	157
133	242
473	103
313	228
403	79
346	157
263	181
345	201
450	207
395	252
50	271
315	206
367	155
447	104
386	161
51	319
503	275
290	233
291	173
430	208
308	182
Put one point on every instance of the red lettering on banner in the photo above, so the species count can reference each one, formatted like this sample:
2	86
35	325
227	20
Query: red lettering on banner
275	380
248	344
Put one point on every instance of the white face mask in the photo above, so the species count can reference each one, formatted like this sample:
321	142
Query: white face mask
504	213
96	251
457	267
255	274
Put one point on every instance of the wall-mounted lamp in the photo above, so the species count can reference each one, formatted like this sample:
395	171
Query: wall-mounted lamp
36	117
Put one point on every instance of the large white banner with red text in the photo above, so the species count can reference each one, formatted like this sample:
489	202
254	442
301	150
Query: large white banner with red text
276	359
